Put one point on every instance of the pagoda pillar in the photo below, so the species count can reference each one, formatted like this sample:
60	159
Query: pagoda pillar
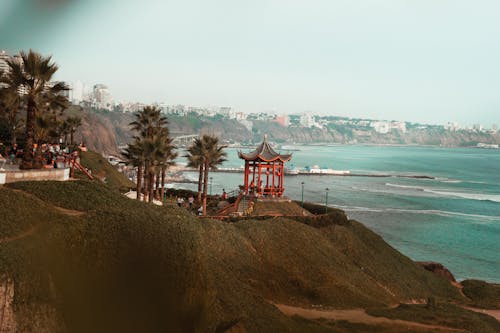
247	174
258	179
274	175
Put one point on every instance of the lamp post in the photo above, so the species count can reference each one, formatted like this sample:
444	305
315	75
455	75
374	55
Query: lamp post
302	183
244	203
211	186
326	200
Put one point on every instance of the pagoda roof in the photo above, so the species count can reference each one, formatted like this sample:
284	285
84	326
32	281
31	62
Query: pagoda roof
264	152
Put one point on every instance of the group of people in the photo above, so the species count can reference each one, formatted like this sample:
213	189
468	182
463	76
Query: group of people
52	154
190	203
181	202
12	154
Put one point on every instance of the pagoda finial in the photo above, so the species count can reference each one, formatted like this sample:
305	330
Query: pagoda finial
265	137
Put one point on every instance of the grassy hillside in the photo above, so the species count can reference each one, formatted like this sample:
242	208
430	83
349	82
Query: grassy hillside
102	170
91	253
127	266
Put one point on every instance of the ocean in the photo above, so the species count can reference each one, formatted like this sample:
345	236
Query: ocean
453	219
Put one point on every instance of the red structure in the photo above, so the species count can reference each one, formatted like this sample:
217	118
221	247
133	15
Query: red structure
264	170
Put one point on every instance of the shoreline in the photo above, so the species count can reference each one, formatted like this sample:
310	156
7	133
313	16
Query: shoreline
336	174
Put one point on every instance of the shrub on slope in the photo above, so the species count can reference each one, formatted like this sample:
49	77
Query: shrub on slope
102	169
482	294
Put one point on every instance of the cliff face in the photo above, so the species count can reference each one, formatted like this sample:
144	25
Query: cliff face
98	133
104	131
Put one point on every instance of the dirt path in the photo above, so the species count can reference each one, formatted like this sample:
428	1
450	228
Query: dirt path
494	313
356	316
65	211
21	235
34	227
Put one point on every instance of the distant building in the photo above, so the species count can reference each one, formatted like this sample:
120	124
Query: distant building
4	67
477	127
307	120
494	128
4	56
101	97
239	116
227	112
283	120
381	127
452	126
384	127
77	92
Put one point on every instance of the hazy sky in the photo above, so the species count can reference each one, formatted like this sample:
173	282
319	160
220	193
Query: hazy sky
418	60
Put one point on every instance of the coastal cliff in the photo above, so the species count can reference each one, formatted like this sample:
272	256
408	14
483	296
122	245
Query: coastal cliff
111	129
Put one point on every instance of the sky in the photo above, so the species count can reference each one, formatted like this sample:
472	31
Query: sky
429	61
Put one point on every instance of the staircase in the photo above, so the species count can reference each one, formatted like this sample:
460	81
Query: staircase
245	205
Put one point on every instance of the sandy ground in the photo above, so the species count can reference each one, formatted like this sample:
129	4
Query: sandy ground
494	313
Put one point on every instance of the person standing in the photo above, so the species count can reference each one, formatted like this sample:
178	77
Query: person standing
191	201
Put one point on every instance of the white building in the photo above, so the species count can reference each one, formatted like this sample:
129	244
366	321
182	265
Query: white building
384	127
77	92
307	120
101	97
227	112
4	67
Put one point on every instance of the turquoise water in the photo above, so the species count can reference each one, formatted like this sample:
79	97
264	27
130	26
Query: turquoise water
453	219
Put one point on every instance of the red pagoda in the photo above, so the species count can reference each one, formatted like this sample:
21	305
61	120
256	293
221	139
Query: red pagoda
264	170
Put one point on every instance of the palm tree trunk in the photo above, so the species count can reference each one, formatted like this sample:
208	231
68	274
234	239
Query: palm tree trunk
200	181
139	181
205	188
163	173
13	136
146	181
27	162
151	182
157	178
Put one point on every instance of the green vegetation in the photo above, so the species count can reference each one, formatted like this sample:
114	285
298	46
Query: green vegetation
482	294
41	100
442	314
136	267
127	266
205	154
101	169
151	151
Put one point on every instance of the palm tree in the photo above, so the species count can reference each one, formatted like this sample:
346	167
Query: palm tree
152	149
134	155
213	155
10	106
148	121
73	124
195	160
169	159
30	74
154	152
64	130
